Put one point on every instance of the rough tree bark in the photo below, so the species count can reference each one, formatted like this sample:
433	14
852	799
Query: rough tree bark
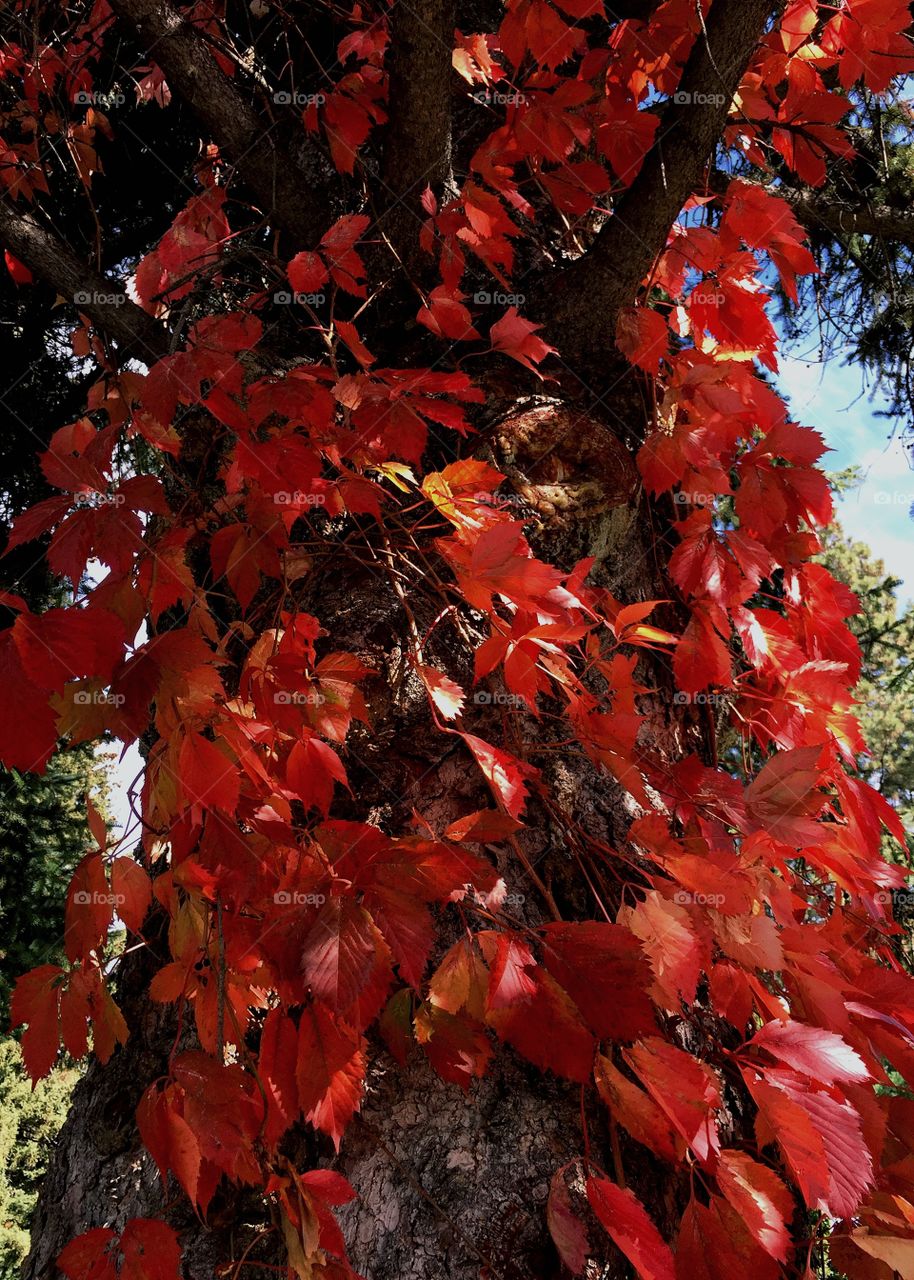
449	1186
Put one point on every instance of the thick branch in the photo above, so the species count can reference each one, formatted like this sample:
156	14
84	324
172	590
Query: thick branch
583	302
243	137
819	212
101	299
417	144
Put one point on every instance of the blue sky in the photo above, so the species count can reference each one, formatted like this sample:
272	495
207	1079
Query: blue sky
832	398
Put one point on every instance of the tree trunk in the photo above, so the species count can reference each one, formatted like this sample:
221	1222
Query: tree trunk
450	1185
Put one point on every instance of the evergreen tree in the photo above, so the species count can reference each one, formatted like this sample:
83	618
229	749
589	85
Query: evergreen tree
29	1122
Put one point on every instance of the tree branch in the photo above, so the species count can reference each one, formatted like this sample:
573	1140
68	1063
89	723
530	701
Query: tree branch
104	301
581	304
417	142
819	212
268	168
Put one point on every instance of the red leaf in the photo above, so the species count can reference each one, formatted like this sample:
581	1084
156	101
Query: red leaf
821	1054
311	771
629	1226
447	696
509	982
483	827
604	972
446	316
338	952
28	726
784	798
330	1071
208	778
150	1251
637	1112
504	773
643	336
516	337
684	1088
19	272
276	1068
566	1228
307	273
548	1030
821	1137
349	334
132	891
760	1198
36	999
715	1244
88	1257
90	909
457	1047
169	1139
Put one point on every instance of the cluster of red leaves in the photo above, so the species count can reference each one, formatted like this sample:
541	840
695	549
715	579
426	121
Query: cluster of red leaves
760	899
